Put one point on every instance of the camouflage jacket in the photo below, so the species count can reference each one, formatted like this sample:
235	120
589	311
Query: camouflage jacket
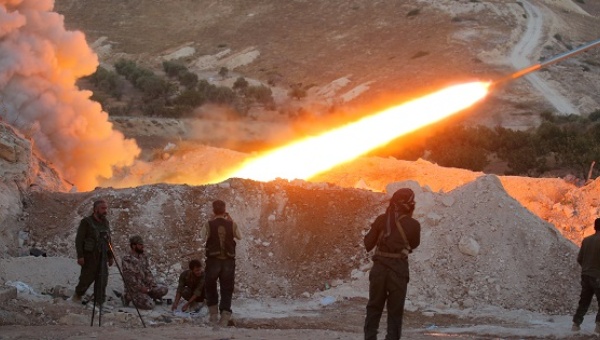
136	273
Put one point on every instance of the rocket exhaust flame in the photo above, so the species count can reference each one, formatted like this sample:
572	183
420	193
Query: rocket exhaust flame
313	155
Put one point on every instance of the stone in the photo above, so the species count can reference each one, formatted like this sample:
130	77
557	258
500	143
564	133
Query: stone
468	246
7	293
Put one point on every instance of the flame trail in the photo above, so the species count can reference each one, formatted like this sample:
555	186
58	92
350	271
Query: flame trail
39	63
311	156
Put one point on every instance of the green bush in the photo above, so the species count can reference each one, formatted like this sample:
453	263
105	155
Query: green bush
240	84
173	68
413	12
107	81
261	94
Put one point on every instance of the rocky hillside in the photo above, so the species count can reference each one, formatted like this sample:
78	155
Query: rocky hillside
357	55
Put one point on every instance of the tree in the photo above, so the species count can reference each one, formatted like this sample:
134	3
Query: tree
173	68
223	72
240	84
297	92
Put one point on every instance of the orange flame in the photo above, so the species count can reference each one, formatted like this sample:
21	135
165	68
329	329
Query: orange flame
310	156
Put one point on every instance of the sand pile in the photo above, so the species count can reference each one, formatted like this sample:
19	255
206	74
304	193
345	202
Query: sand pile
479	246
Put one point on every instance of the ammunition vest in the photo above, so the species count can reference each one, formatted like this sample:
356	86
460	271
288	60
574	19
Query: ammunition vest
93	240
395	245
220	242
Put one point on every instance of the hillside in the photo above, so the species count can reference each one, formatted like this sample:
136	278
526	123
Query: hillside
370	53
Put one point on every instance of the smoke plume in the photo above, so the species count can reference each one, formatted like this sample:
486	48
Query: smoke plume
39	63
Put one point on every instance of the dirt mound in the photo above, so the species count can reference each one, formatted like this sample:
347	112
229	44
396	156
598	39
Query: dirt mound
302	238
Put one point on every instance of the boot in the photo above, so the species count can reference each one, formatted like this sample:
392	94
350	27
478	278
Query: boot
597	330
75	298
575	327
225	317
213	314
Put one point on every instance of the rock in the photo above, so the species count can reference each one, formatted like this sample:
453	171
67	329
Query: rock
468	303
8	151
74	319
448	201
7	293
62	292
468	246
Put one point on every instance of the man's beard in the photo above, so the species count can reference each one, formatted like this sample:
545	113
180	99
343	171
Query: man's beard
139	251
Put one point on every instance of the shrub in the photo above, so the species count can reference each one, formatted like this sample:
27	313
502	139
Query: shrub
260	94
188	79
107	81
223	71
173	68
240	84
413	12
594	116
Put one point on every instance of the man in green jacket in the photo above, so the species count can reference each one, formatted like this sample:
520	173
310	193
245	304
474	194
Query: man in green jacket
92	238
589	259
190	287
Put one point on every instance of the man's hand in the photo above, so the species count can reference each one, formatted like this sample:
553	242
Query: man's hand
174	307
185	307
81	261
111	261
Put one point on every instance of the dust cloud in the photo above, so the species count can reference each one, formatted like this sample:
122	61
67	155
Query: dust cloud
40	62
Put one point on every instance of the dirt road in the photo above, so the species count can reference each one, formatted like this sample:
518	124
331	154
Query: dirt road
520	58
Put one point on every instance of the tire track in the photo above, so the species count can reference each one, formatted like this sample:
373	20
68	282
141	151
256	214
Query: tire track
522	51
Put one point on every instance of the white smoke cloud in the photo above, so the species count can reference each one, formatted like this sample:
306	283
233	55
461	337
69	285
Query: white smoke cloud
39	63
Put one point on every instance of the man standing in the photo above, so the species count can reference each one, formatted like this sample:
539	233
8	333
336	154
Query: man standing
92	236
190	287
140	286
589	259
395	234
219	234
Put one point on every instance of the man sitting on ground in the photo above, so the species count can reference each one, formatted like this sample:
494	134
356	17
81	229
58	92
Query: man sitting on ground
140	286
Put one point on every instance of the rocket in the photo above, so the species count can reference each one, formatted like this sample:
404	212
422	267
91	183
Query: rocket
550	61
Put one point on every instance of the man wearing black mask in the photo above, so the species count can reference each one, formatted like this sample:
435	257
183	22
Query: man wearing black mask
395	234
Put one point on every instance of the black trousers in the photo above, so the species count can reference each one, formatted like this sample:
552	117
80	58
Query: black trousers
90	271
224	272
590	286
385	285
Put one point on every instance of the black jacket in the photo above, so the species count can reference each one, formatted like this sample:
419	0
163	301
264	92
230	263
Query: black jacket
392	243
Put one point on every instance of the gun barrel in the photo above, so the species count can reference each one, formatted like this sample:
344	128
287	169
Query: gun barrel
550	61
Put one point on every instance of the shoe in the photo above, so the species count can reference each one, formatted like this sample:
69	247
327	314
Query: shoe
576	328
75	298
225	317
597	330
213	312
